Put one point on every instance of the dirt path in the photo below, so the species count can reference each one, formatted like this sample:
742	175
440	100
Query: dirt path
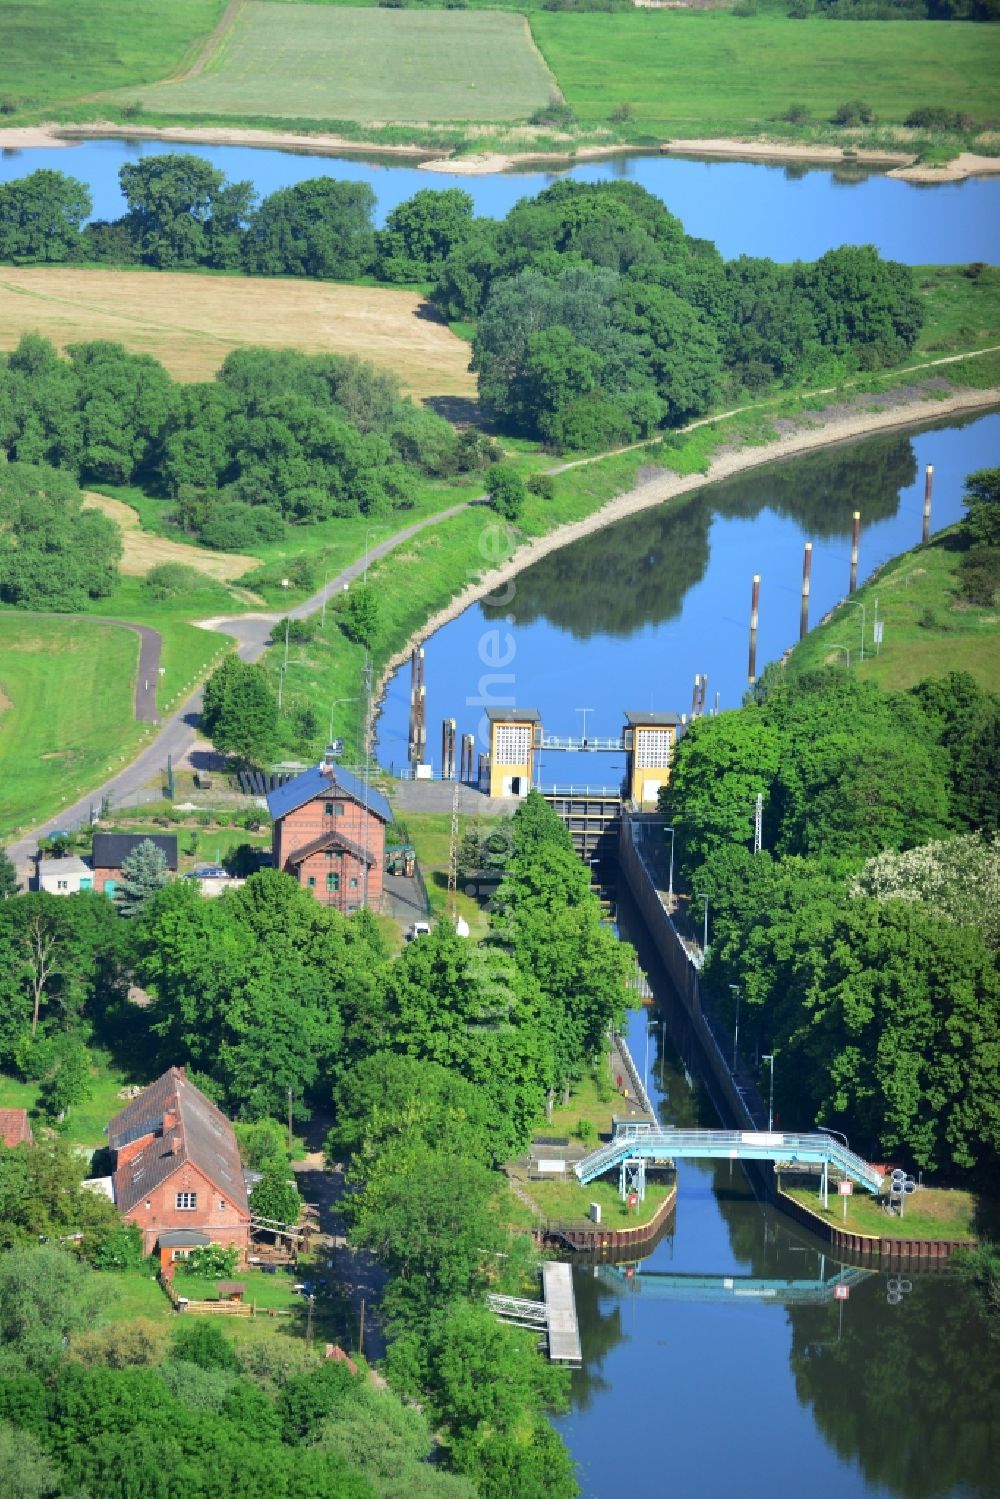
360	1277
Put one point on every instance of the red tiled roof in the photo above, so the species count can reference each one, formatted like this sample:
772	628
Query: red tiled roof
15	1128
196	1132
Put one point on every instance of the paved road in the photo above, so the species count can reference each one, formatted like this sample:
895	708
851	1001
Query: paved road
252	633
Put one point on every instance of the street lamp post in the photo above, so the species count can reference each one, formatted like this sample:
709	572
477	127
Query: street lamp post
585	711
863	622
828	1131
770	1096
736	1028
670	885
699	895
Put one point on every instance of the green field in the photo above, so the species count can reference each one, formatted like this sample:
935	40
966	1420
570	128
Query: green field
931	1213
67	719
323	63
712	73
928	629
84	1125
52	52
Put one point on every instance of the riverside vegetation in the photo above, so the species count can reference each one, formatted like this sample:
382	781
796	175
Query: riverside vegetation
439	1062
863	936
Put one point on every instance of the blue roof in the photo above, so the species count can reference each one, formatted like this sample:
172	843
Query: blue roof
321	781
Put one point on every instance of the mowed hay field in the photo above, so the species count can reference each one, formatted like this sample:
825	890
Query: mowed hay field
142	550
68	696
189	322
321	62
705	72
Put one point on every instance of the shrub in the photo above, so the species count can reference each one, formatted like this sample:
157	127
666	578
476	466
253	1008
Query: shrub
235	524
622	113
299	630
744	8
505	488
9	105
556	114
800	10
854	112
796	114
121	1249
933	117
131	110
586	1131
543	485
203	1343
168	579
213	1262
979	575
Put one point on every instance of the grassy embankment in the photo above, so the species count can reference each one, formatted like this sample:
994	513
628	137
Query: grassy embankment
931	1213
84	1126
928	628
430	76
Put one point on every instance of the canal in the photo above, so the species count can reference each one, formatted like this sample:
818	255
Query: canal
893	1392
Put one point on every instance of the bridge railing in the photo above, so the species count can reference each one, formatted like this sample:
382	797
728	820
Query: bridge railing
608	791
583	746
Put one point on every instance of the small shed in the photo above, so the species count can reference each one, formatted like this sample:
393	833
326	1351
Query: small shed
231	1290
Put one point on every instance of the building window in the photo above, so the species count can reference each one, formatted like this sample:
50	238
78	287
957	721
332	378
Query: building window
186	1200
222	1206
331	853
311	882
62	884
333	883
180	1254
354	882
338	809
512	743
328	809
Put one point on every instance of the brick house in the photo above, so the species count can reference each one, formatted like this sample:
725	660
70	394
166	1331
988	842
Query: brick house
112	849
15	1128
329	829
177	1166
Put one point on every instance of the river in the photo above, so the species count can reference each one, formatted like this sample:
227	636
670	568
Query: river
748	208
682	1398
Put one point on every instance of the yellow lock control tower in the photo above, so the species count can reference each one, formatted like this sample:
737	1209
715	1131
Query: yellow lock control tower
515	735
649	740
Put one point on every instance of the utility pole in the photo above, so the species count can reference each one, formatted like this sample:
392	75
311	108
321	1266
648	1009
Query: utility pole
361	1330
453	854
289	1119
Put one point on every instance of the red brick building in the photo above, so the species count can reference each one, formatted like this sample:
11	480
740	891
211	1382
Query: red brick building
329	834
112	849
177	1165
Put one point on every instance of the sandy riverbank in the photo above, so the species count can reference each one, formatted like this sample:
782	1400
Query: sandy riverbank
823	431
900	164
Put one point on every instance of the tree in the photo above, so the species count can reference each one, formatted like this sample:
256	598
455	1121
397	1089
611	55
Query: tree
982	507
320	227
505	488
171	202
45	1296
41	1195
720	766
143	873
41	216
240	711
421	233
70	1083
864	306
28	1472
276	1197
125	404
199	1340
361	616
53	554
9	885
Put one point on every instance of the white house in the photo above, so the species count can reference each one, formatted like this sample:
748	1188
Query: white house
64	876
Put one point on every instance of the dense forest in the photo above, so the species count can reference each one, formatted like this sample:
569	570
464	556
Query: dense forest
864	936
598	319
439	1063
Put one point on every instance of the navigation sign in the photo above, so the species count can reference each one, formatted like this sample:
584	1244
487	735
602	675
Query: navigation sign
845	1188
841	1293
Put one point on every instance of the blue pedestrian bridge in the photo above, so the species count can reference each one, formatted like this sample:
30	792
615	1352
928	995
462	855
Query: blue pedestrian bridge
638	1145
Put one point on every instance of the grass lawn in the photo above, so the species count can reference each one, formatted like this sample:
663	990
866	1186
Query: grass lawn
929	1214
568	1204
928	632
592	1101
430	834
53	52
85	1123
710	72
190	322
322	63
66	711
962	311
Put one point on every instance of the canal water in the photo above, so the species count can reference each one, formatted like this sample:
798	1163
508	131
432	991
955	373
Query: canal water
892	1392
895	1391
624	618
785	212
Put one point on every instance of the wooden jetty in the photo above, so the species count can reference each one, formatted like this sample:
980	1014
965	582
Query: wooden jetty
554	1318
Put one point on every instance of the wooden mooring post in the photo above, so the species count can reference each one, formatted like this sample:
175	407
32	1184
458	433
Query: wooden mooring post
855	545
807	562
925	534
754	614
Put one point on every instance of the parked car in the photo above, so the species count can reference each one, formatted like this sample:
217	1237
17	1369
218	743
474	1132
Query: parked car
418	929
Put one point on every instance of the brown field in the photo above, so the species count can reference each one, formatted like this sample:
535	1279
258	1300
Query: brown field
142	550
190	321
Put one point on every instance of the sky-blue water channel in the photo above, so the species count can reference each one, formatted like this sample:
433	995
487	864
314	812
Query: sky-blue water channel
626	617
748	208
890	1393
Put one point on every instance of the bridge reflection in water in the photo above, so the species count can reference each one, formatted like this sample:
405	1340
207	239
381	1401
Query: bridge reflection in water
663	1285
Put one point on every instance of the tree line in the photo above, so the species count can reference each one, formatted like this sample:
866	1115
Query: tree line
598	319
864	936
275	438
